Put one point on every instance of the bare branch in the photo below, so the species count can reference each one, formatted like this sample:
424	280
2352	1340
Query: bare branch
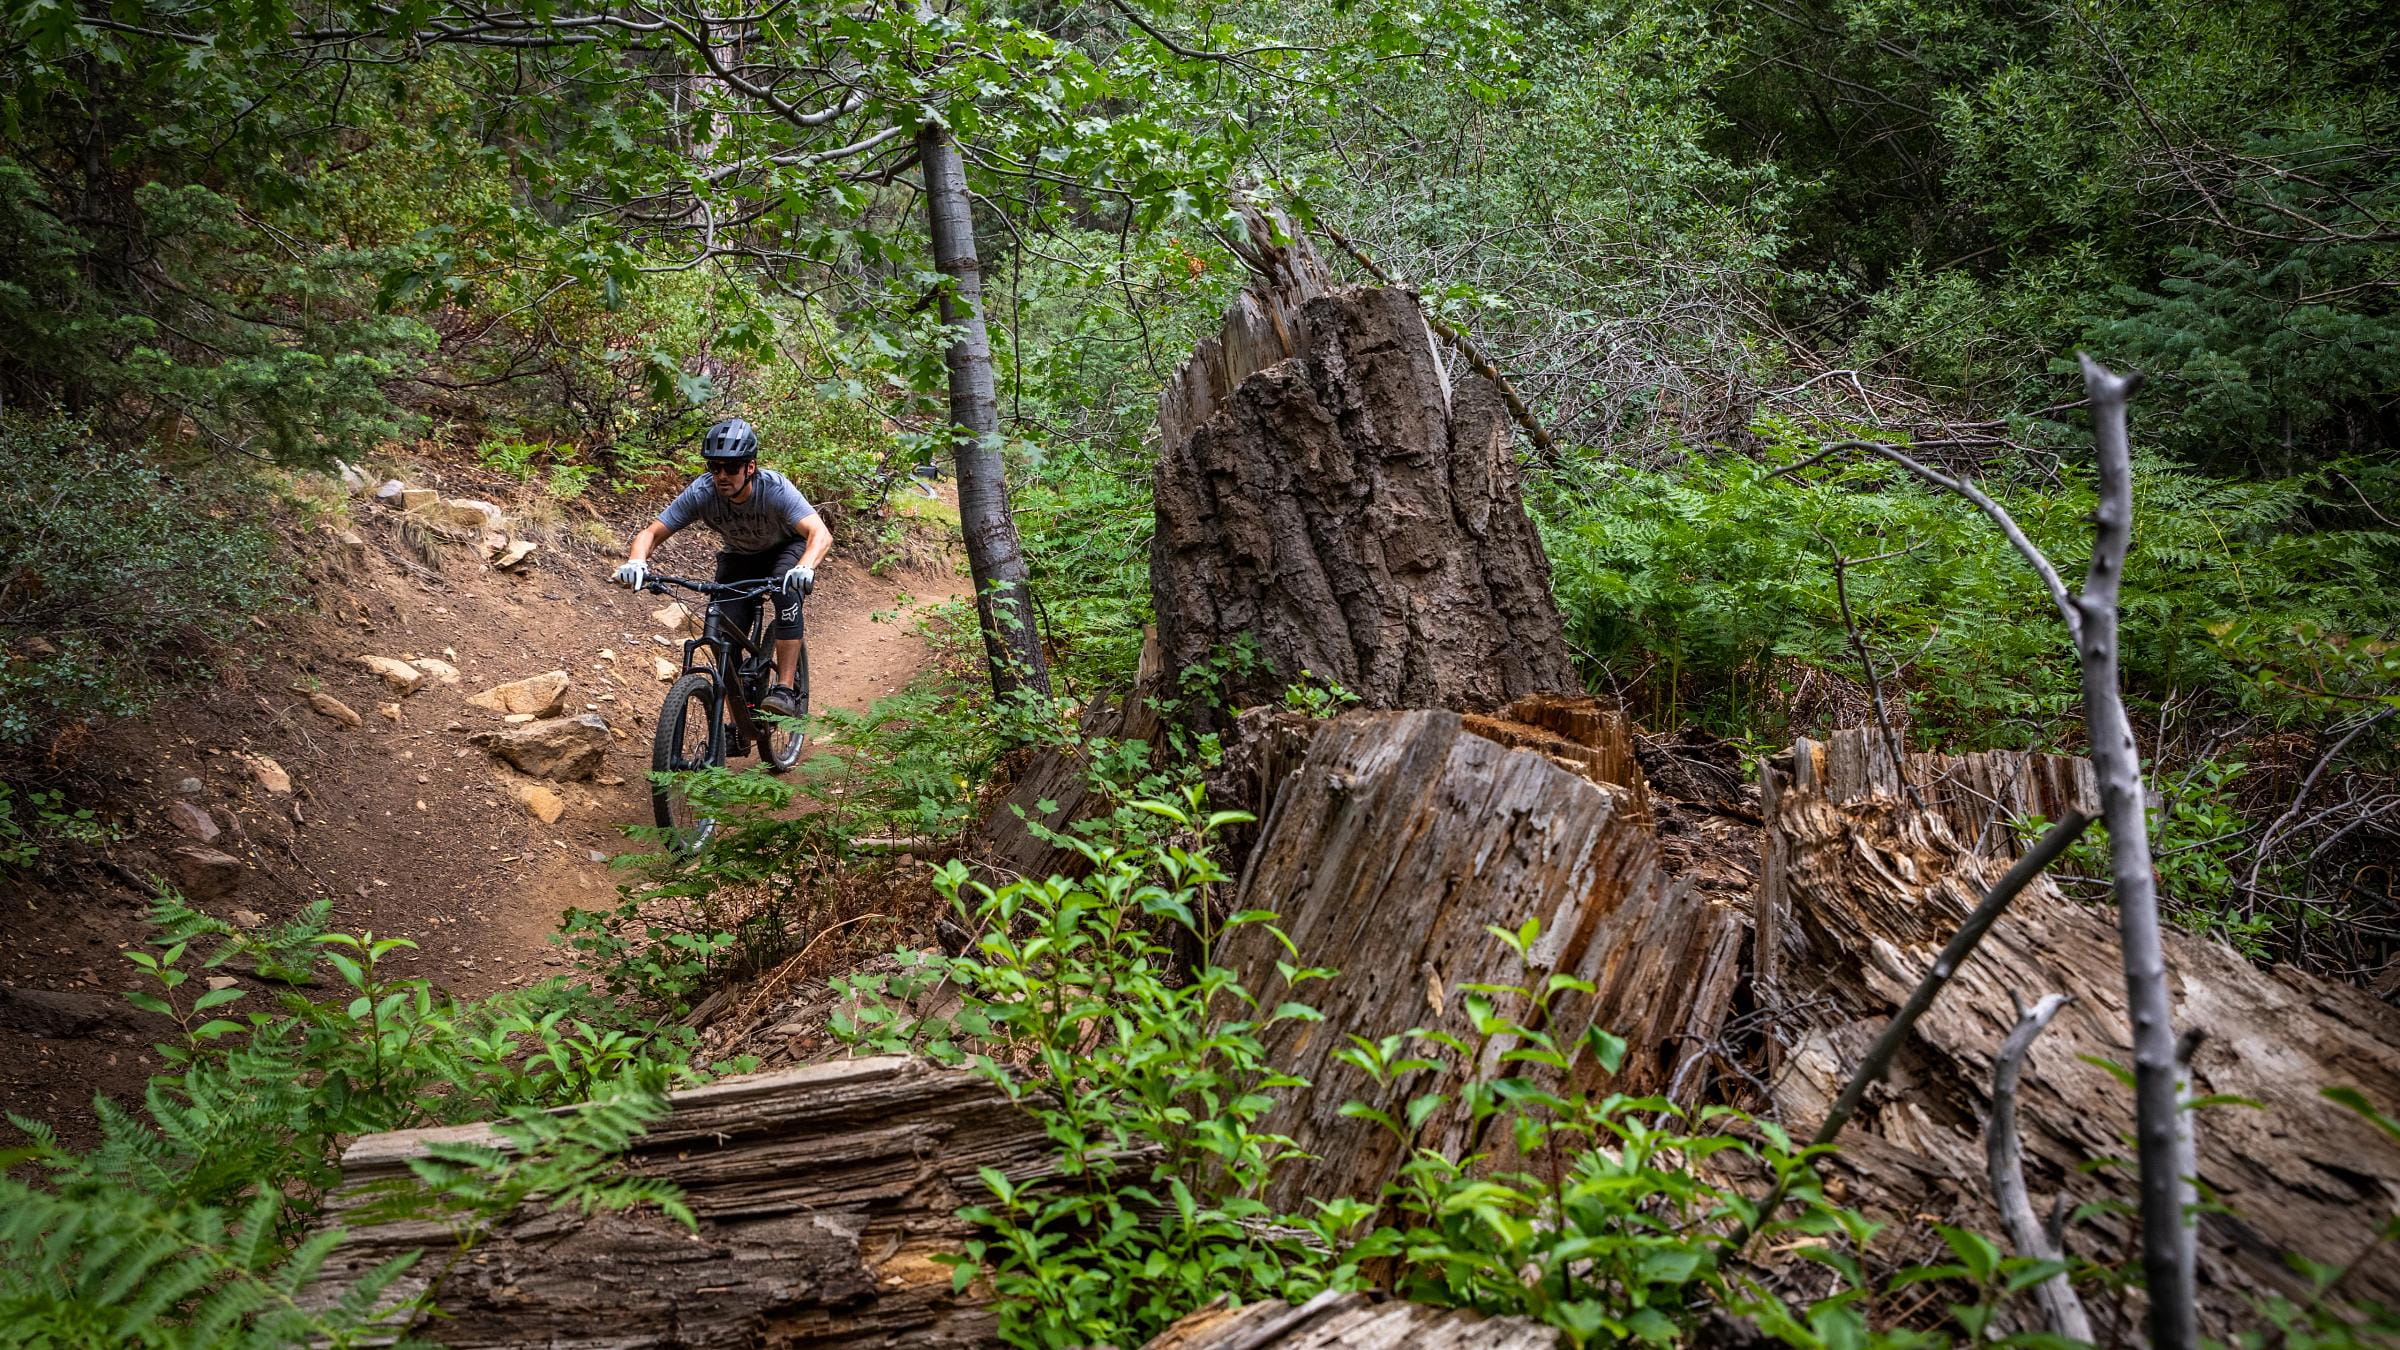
2004	1160
1998	514
2169	1258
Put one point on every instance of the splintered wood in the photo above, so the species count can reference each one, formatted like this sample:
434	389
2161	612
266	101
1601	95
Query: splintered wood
1868	889
1338	1321
1392	847
823	1194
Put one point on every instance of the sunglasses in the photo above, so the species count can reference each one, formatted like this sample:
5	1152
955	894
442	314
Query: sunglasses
729	470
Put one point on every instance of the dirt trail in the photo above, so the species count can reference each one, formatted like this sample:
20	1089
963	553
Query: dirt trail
412	832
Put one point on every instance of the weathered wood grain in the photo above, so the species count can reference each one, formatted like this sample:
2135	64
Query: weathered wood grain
1391	848
1323	491
1351	1322
823	1193
1874	887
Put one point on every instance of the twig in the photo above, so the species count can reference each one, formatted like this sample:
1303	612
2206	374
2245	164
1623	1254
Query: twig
2307	785
1870	1071
1998	514
2004	1160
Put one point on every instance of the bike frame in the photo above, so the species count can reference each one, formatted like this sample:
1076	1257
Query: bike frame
727	648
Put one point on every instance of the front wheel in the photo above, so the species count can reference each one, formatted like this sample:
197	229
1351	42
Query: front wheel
780	746
688	738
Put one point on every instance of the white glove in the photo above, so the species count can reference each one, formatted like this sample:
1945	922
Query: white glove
633	573
800	580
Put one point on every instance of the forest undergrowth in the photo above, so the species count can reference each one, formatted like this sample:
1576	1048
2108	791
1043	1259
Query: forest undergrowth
1705	242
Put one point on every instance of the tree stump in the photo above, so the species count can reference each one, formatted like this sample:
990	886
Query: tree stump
1352	1321
1874	888
1389	850
1324	490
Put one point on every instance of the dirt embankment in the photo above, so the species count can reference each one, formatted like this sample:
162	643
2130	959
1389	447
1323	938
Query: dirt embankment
411	830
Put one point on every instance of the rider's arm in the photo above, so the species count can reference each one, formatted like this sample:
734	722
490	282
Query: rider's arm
650	536
820	540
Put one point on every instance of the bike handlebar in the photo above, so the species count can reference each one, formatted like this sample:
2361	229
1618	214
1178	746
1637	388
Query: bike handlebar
722	590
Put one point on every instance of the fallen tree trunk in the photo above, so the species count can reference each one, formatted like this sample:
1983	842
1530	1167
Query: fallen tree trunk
1874	887
823	1195
1353	1322
1389	851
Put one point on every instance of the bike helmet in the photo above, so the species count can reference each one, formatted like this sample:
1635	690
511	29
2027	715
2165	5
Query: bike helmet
730	440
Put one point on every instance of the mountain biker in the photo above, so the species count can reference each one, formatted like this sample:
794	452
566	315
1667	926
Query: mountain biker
768	530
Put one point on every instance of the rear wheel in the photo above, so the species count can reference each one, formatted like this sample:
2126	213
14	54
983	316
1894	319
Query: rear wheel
687	739
779	747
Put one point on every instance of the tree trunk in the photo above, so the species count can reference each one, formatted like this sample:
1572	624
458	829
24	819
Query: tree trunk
823	1194
1012	644
1323	491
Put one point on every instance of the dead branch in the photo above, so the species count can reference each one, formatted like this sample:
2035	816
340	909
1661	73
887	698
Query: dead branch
2004	1155
2168	1253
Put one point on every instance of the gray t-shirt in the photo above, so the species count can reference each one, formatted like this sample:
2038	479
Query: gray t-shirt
769	519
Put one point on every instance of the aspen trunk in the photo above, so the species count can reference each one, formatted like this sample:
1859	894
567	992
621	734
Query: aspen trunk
995	559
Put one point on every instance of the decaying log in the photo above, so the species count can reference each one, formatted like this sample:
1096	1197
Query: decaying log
823	1194
1323	490
1875	887
1390	849
1350	1322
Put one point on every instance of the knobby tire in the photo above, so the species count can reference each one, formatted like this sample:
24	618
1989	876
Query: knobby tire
689	711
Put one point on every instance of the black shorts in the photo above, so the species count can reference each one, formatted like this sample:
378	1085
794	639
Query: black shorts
773	562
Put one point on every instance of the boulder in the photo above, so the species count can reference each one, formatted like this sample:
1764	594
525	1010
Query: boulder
673	617
58	1013
402	677
436	669
353	543
421	500
392	491
540	695
540	802
468	513
664	668
193	822
515	554
354	479
204	873
564	748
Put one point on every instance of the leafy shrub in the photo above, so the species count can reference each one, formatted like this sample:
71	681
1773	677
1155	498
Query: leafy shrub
120	582
1149	1086
185	1225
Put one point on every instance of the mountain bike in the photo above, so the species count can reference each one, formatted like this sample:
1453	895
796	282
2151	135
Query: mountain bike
699	726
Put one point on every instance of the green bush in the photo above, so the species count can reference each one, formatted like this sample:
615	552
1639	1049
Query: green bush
1705	589
187	1225
119	581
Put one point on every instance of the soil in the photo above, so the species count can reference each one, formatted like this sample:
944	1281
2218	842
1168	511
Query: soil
409	829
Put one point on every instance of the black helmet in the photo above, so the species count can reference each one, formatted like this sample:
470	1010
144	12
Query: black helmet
731	439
